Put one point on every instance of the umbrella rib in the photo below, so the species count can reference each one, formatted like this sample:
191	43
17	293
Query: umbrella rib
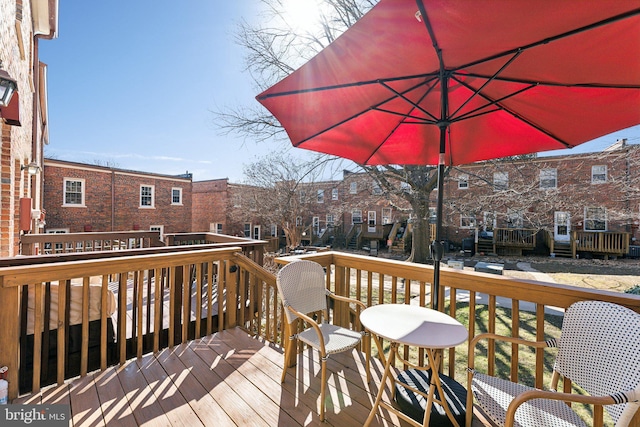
495	103
557	84
429	77
489	80
556	37
415	105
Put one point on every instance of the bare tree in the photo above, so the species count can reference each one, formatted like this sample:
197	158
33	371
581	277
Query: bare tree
279	191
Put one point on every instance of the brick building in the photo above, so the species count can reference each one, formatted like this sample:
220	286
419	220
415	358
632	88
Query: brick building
81	197
594	192
209	205
24	121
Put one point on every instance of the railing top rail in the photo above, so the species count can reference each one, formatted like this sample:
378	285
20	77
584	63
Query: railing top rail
214	237
65	237
93	255
28	274
552	294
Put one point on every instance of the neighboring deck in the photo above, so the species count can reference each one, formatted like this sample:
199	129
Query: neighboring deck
180	386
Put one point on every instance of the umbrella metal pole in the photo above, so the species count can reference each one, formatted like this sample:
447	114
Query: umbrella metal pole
437	248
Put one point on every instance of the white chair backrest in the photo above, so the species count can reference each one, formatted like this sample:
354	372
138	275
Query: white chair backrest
301	284
599	349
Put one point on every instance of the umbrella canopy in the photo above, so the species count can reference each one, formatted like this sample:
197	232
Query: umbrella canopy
449	82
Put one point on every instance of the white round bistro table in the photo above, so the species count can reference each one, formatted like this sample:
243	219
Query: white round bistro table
414	326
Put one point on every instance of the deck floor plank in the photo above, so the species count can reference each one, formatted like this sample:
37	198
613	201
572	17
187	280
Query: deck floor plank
225	379
112	399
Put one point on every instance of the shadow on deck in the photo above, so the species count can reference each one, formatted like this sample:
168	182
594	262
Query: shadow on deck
225	379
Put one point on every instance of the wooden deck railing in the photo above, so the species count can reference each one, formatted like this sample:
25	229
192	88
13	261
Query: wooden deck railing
254	249
52	243
155	307
606	242
515	237
164	296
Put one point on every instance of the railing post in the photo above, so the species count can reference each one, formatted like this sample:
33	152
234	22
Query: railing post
9	338
341	309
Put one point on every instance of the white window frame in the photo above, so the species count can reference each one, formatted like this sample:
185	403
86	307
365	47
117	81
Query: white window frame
376	189
329	219
303	196
246	232
159	228
152	196
463	181
467	221
320	196
273	230
599	174
298	221
353	188
356	213
500	181
548	178
590	221
387	216
334	194
179	191
215	227
82	192
256	232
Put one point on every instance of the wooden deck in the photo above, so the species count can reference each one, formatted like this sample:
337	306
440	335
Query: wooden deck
225	379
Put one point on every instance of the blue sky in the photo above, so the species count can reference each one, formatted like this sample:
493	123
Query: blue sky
133	84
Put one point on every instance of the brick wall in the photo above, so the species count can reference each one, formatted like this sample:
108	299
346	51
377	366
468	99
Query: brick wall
210	200
112	200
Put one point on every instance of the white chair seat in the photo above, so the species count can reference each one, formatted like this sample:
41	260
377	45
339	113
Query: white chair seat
495	394
336	338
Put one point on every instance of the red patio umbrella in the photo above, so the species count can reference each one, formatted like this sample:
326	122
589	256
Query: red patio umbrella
449	82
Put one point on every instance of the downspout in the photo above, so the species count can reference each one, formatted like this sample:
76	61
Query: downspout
52	28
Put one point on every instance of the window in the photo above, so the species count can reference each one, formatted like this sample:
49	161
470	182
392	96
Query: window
500	181
316	225
353	188
215	227
595	219
303	196
159	229
386	216
299	221
146	196
356	216
549	178
376	189
273	232
320	196
371	219
514	219
237	200
433	215
334	194
256	232
467	221
176	196
598	174
247	229
329	220
73	192
463	181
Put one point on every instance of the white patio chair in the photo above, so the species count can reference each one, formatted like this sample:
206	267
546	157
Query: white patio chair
301	285
598	350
